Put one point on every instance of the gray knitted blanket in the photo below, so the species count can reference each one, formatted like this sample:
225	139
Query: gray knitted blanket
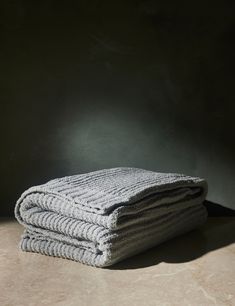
102	217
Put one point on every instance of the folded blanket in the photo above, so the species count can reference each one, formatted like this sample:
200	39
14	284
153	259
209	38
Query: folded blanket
102	217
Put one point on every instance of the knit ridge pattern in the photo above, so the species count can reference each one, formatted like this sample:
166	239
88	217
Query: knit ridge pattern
102	217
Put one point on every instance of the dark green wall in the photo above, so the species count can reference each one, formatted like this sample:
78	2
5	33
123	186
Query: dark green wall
87	85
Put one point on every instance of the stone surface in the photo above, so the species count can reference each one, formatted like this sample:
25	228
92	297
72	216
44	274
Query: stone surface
195	269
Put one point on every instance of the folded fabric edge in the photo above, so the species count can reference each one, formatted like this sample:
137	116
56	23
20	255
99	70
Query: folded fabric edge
44	245
51	201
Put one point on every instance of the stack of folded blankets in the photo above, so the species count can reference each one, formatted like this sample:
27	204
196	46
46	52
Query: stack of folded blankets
102	217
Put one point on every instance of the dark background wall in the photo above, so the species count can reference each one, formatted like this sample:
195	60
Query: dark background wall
87	85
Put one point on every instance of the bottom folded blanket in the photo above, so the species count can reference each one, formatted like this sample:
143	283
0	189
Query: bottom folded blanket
105	216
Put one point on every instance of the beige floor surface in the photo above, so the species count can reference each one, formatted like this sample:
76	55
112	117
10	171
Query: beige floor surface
197	268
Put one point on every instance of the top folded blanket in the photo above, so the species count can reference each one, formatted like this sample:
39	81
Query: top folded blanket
101	217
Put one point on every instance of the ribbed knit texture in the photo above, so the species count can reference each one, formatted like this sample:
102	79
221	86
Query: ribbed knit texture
102	217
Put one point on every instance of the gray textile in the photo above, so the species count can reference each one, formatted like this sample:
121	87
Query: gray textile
102	217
